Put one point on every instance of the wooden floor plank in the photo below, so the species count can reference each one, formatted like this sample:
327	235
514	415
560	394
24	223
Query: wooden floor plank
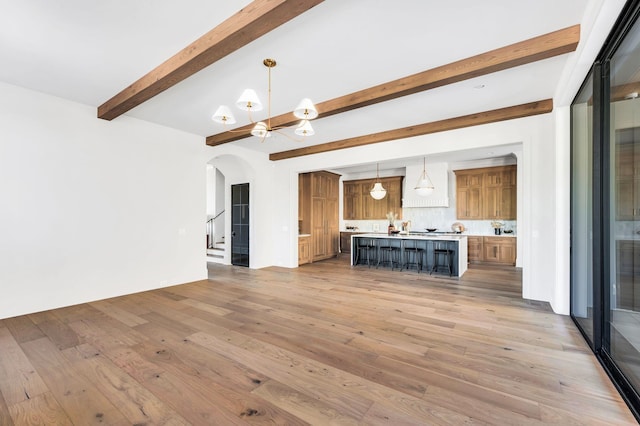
325	343
40	410
5	417
19	380
23	329
59	332
118	313
280	365
136	403
81	401
309	409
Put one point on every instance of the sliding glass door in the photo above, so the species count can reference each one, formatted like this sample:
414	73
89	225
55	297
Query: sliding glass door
582	305
605	207
622	325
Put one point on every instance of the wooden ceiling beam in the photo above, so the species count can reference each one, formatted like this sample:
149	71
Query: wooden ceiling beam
508	113
253	21
624	92
524	52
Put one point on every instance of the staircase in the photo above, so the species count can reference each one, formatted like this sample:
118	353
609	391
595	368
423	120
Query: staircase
216	252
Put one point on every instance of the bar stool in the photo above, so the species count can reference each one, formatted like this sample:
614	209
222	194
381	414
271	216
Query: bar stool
412	255
366	249
388	254
441	251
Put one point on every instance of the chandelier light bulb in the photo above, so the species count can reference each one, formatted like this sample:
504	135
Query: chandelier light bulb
223	115
306	110
304	129
249	101
261	130
424	187
378	192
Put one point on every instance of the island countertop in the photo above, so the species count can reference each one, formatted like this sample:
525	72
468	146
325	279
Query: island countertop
441	237
456	242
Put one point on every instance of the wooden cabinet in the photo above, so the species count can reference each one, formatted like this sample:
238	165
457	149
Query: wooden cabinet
628	274
469	178
352	201
304	201
627	181
499	250
333	223
319	228
469	194
499	203
500	193
370	206
359	205
304	250
487	193
627	196
320	217
499	176
394	197
345	241
474	248
492	249
468	203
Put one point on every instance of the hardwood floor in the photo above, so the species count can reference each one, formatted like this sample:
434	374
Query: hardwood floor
322	344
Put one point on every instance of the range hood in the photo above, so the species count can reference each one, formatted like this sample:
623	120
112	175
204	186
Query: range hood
439	175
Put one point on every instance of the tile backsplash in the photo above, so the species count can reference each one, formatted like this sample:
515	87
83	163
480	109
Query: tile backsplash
422	218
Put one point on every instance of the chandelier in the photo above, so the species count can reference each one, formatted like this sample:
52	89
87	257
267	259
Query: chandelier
250	102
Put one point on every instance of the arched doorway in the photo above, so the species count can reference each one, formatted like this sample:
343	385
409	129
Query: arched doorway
228	234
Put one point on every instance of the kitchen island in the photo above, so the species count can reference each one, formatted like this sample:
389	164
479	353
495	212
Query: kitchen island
402	244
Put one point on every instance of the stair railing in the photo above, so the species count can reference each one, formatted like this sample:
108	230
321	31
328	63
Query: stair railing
211	226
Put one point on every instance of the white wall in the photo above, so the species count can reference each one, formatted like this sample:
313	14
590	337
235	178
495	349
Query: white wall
93	209
211	191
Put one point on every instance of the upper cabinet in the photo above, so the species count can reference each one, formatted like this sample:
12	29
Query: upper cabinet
469	194
627	181
487	193
352	201
359	205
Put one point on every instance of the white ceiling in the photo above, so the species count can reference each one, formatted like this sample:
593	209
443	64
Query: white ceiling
89	51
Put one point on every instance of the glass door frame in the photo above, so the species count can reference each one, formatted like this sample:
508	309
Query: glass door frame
601	208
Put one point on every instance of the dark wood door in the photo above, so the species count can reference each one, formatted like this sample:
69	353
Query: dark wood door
240	224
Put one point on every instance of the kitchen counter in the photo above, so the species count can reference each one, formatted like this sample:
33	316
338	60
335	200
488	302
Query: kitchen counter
413	236
455	242
468	234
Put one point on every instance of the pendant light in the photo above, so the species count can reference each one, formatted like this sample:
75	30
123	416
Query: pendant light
424	187
378	192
